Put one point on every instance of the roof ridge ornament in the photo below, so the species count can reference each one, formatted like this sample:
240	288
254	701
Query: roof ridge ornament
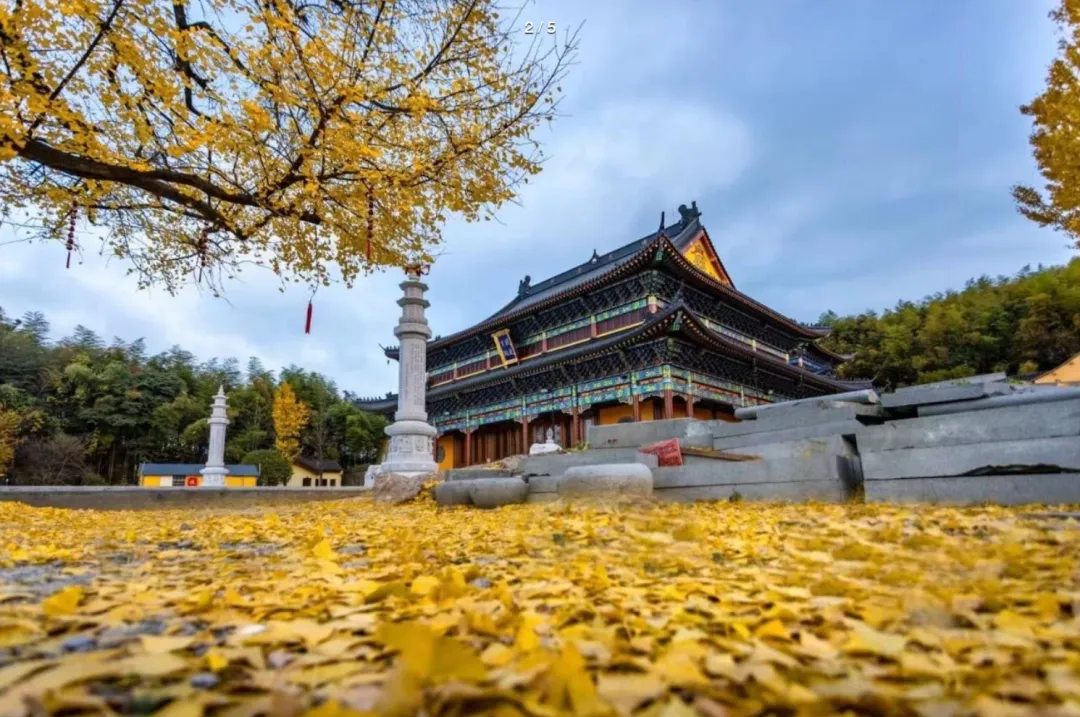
595	257
523	285
689	215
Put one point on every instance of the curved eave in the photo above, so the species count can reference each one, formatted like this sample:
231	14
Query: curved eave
376	405
676	258
660	325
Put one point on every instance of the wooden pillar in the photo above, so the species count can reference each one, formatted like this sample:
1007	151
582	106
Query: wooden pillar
575	428
689	405
468	448
525	435
669	404
637	408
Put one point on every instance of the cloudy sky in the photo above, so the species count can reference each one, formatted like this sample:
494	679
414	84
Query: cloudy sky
845	154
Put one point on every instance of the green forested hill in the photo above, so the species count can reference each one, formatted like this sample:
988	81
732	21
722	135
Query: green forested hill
80	411
1020	324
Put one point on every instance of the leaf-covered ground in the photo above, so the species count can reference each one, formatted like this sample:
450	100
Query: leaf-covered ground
668	611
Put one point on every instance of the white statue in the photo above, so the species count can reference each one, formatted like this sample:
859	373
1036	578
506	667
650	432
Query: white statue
548	446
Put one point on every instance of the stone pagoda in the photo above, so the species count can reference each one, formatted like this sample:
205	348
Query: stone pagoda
412	438
215	471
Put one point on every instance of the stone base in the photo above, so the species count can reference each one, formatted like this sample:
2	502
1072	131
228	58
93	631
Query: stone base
214	477
411	448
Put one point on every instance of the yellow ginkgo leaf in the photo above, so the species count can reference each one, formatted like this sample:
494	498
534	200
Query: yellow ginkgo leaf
865	639
158	644
63	602
424	585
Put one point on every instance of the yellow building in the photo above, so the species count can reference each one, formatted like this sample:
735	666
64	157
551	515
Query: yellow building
1067	374
186	475
315	473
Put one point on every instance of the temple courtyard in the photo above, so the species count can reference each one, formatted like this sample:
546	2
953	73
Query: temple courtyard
645	608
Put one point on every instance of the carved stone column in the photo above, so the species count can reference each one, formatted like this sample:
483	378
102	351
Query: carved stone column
411	436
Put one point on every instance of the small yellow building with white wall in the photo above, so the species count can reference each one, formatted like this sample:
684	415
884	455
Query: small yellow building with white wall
315	473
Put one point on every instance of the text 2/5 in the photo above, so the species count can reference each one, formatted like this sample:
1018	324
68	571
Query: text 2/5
532	28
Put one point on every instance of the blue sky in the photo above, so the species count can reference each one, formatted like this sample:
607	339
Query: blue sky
845	154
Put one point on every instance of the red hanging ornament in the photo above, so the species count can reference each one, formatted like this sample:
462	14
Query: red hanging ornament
202	246
71	233
307	323
370	222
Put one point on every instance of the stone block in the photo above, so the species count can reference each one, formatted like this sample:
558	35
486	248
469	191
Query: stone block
943	393
633	435
789	491
394	488
723	442
1040	455
820	467
558	464
473	473
543	484
616	479
495	492
835	445
1041	488
453	493
772	419
1012	423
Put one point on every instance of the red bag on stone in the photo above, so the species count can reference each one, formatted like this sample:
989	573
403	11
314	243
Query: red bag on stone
667	452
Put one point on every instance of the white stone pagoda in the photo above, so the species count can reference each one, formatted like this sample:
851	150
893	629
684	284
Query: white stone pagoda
215	471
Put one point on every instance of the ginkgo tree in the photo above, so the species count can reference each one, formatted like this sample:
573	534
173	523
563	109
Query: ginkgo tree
294	134
1055	139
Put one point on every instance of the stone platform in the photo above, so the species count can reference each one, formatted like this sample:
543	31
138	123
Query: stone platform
138	498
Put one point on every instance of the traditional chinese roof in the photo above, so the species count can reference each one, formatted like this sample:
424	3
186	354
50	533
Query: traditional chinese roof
674	319
656	248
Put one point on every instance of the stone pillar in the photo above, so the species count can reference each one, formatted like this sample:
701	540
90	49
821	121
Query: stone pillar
215	471
411	436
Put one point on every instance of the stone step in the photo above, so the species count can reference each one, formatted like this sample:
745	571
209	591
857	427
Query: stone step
779	418
1040	455
783	435
558	463
1041	488
1012	423
635	435
820	467
836	445
944	393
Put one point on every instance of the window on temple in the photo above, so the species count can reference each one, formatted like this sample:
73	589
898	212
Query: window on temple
333	482
307	483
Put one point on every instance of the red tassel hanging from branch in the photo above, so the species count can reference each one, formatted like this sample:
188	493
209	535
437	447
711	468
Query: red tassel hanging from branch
202	248
71	234
307	323
370	222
